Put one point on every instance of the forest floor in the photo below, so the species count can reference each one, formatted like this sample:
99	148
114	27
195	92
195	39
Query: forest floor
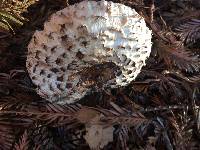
159	110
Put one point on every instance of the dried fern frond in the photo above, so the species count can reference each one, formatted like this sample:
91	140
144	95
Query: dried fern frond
57	115
71	136
17	6
11	13
122	137
177	56
165	84
23	142
161	134
41	136
189	31
7	19
7	137
54	115
183	136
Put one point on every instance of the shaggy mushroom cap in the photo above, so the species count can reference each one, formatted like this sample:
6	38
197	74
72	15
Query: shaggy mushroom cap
89	45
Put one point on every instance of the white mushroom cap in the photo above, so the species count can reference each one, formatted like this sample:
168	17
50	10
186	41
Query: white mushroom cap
87	45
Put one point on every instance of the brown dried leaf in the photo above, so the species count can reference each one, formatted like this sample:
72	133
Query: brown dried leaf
98	136
86	115
149	147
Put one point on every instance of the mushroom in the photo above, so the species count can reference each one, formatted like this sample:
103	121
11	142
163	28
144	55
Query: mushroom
89	45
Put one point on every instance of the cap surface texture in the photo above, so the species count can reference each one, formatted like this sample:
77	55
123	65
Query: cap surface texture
87	45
